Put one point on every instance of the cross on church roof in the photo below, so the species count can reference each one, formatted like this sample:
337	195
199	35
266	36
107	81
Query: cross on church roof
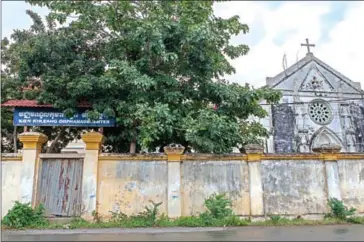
308	45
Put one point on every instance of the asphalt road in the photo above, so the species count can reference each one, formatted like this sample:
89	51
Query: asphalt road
297	233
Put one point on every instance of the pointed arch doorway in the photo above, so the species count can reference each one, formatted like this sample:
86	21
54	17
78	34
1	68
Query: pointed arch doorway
325	136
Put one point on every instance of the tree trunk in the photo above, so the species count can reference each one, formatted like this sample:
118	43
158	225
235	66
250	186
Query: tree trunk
15	140
53	144
132	149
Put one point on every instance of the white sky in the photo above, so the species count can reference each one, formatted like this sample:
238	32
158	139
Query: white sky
276	28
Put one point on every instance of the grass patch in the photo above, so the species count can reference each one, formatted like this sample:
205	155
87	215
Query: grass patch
296	222
162	221
355	220
218	214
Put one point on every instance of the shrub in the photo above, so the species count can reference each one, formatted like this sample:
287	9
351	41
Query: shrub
96	217
118	217
338	209
22	215
151	213
146	218
219	212
207	219
218	206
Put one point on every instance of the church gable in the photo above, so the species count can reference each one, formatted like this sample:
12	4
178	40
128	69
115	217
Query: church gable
315	81
312	74
341	82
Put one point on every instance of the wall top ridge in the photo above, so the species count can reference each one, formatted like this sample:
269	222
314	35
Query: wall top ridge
227	157
126	157
61	156
11	157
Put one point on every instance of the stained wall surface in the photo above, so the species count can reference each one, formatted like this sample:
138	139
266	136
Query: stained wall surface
294	187
129	186
278	184
10	184
351	173
200	179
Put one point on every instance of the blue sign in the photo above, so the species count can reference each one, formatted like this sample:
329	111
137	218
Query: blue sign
53	117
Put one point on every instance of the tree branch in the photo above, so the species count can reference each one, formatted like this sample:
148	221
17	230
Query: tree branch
58	137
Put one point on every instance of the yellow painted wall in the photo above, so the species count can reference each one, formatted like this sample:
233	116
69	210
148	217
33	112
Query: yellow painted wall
128	186
291	183
129	183
10	182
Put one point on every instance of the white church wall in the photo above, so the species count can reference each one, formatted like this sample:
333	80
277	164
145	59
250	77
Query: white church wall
333	132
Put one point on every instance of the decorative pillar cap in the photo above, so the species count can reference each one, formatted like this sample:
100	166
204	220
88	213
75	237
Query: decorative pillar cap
33	140
174	152
173	149
93	140
327	149
253	149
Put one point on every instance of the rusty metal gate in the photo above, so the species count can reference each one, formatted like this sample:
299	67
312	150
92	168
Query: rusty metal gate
59	187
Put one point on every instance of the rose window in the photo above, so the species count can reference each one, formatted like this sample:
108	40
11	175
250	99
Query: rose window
320	112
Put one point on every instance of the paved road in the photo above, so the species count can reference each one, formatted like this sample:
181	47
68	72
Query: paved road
302	233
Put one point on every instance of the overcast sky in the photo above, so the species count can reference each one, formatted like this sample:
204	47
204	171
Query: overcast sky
276	28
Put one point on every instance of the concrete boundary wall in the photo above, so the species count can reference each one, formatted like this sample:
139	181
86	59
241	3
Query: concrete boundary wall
258	184
11	173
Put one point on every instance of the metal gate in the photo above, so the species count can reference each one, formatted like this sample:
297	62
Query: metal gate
60	184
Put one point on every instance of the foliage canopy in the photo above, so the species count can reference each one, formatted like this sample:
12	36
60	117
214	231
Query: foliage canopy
157	66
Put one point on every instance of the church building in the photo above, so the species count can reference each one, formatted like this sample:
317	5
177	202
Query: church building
319	106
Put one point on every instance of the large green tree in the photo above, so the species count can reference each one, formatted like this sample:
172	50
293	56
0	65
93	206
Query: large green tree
14	87
157	66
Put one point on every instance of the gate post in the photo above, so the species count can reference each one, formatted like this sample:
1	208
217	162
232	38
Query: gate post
32	145
254	153
93	141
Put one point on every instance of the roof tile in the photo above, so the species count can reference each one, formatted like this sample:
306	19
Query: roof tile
33	103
